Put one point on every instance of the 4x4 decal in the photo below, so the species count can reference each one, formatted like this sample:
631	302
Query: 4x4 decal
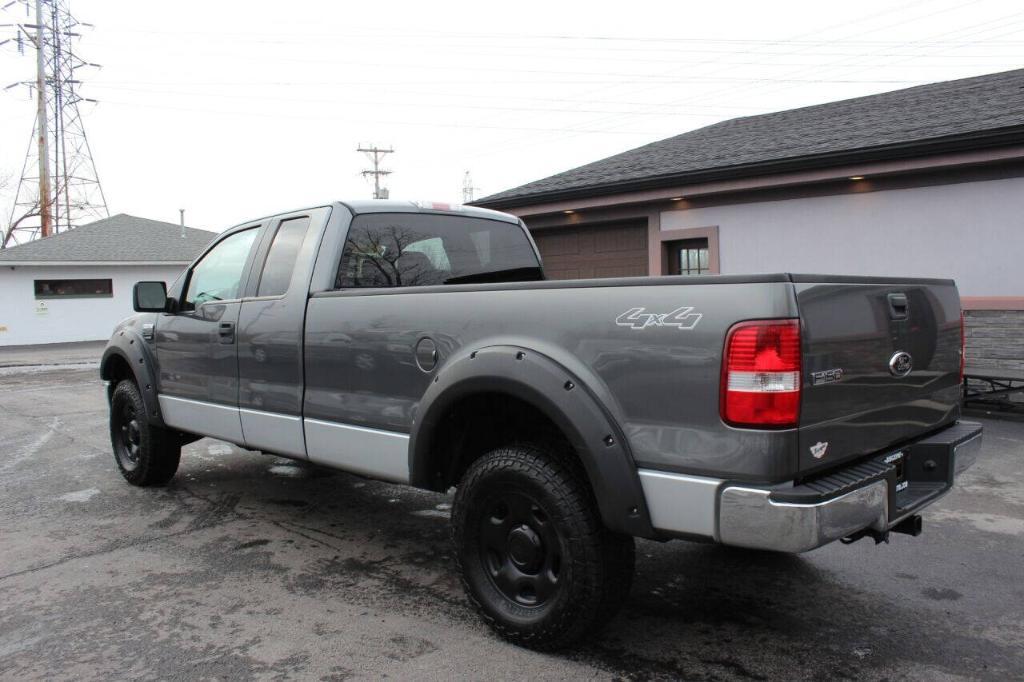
638	318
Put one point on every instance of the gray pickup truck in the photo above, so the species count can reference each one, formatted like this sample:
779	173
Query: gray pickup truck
421	344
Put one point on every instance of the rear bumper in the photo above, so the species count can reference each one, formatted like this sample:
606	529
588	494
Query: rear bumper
870	495
875	494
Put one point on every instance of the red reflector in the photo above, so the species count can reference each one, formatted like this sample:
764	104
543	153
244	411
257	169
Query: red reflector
761	374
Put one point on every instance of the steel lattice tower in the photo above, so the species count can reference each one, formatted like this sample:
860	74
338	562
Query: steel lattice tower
59	187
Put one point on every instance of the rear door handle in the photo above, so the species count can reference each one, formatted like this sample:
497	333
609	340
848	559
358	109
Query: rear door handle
226	330
899	307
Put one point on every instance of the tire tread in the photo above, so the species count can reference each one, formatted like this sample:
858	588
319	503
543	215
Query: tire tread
602	561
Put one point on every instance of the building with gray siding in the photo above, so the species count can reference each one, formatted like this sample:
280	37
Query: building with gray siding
926	181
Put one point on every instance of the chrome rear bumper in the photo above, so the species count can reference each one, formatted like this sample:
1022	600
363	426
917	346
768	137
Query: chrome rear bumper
754	517
747	517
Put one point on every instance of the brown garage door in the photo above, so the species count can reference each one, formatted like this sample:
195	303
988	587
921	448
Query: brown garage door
618	250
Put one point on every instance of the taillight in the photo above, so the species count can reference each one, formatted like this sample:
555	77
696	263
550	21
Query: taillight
963	347
761	374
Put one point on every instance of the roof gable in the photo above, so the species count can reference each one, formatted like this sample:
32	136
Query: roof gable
902	117
120	237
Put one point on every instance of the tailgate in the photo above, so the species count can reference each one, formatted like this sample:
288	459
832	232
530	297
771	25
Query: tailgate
881	364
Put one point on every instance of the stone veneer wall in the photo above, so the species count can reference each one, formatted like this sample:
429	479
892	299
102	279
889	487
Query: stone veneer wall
995	342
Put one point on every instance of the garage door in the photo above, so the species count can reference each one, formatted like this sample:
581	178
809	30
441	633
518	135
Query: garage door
618	250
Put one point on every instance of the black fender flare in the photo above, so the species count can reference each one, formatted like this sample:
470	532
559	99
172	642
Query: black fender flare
129	345
547	385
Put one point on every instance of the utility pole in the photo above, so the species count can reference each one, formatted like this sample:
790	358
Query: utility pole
376	155
467	188
45	219
59	188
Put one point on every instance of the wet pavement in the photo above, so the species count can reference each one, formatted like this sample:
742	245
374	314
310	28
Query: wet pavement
251	566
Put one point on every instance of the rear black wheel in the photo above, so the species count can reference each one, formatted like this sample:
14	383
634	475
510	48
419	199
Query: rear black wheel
535	560
145	454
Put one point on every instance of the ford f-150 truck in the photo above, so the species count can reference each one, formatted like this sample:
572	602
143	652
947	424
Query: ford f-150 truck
421	344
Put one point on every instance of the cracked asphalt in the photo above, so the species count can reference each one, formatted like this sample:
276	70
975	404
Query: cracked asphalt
250	566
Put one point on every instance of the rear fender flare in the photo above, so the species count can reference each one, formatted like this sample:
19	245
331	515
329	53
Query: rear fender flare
548	386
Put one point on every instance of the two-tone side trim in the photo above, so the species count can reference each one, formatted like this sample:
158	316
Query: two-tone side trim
681	504
281	434
371	452
208	419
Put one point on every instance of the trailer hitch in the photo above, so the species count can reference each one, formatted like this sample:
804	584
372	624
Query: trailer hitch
908	526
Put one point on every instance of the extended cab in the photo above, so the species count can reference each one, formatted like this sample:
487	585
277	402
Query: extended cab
421	344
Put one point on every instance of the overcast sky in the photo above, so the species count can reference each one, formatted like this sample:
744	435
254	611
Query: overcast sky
232	110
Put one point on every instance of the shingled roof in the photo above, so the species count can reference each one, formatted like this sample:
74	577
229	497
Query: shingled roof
970	113
120	237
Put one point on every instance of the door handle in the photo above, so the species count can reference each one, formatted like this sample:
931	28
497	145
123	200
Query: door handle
899	307
226	330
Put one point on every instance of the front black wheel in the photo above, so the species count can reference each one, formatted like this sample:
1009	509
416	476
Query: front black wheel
145	454
535	560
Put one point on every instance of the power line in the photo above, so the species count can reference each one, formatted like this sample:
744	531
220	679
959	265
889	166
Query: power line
59	188
376	155
467	188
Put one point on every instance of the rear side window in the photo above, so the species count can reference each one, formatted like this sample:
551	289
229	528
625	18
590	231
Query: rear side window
416	249
284	250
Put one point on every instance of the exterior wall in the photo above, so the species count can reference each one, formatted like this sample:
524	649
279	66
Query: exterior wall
994	345
27	320
994	340
972	232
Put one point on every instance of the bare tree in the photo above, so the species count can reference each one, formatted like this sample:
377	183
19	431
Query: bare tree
26	212
385	253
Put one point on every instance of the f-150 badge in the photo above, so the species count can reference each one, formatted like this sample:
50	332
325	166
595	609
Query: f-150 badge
639	318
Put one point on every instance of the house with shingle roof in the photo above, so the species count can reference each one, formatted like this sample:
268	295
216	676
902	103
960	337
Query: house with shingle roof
926	181
76	285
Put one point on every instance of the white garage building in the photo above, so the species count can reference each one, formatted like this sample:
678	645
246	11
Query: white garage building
76	285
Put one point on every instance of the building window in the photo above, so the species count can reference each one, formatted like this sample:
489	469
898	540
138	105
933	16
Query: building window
689	257
74	288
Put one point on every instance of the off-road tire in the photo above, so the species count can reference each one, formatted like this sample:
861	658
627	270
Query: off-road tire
146	455
595	568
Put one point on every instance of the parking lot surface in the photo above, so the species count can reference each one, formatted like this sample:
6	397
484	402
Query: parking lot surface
251	566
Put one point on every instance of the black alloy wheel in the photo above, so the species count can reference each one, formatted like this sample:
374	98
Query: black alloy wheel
146	454
129	443
520	549
535	559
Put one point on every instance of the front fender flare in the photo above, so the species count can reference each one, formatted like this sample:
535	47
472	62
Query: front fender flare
549	387
129	345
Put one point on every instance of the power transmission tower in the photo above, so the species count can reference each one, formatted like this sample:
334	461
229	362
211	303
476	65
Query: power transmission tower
59	188
376	155
467	188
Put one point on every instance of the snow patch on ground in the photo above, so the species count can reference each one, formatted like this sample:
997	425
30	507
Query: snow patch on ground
286	470
431	513
80	495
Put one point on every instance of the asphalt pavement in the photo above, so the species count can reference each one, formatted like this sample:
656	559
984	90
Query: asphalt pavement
252	566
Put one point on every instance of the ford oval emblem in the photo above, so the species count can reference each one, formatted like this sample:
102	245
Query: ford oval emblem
900	364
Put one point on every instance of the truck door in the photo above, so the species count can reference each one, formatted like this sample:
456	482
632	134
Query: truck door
270	339
196	346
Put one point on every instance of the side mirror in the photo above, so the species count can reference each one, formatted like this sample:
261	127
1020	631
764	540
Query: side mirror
149	297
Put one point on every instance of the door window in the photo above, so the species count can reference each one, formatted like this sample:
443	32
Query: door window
218	276
284	250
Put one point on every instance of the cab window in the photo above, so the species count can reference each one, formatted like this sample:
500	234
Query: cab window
218	276
414	249
277	270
